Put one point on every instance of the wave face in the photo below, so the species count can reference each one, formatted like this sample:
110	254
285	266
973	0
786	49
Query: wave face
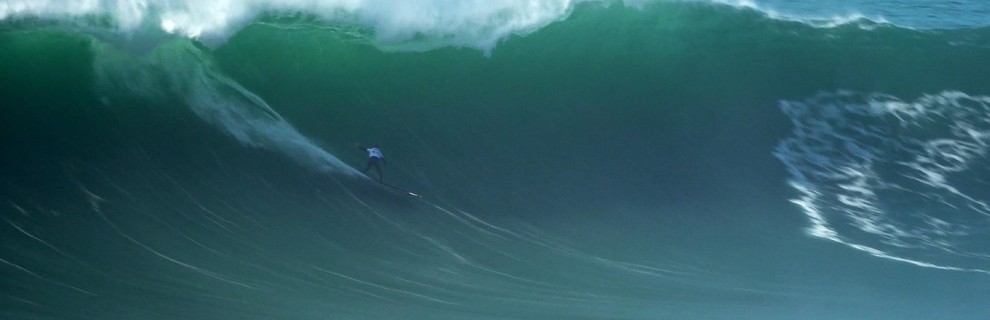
577	159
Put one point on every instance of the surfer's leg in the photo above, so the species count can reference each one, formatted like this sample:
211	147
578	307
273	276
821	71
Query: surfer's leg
371	163
378	167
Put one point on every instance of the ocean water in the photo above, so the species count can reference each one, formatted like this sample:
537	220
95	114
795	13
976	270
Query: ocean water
575	159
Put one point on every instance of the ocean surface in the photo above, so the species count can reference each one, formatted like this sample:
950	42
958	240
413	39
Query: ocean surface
778	159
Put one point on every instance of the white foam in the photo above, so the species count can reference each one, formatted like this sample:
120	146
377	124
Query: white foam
825	21
474	23
893	178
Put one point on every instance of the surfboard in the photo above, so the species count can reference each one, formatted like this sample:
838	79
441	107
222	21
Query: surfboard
396	189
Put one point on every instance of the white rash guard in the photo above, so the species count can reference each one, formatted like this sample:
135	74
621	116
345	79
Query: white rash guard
375	153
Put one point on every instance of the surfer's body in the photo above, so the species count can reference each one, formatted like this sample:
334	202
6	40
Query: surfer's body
375	160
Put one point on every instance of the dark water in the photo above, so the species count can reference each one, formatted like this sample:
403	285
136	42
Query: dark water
675	161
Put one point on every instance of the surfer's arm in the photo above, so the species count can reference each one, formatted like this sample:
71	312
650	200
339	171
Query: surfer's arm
359	146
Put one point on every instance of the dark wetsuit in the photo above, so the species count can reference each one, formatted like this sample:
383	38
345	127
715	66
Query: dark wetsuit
375	159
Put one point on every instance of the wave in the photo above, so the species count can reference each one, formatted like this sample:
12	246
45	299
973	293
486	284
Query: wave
614	164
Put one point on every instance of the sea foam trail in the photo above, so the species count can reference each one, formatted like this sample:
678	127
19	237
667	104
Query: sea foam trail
179	68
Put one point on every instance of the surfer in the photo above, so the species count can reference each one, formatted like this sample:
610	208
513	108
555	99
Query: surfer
375	159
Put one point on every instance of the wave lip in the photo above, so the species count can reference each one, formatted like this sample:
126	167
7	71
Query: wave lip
479	24
429	24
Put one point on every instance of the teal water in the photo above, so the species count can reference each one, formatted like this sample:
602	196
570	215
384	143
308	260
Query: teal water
678	160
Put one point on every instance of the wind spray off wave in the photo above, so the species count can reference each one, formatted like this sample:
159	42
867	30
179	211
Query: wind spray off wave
178	68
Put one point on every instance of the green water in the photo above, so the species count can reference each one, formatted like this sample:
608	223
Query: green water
617	164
